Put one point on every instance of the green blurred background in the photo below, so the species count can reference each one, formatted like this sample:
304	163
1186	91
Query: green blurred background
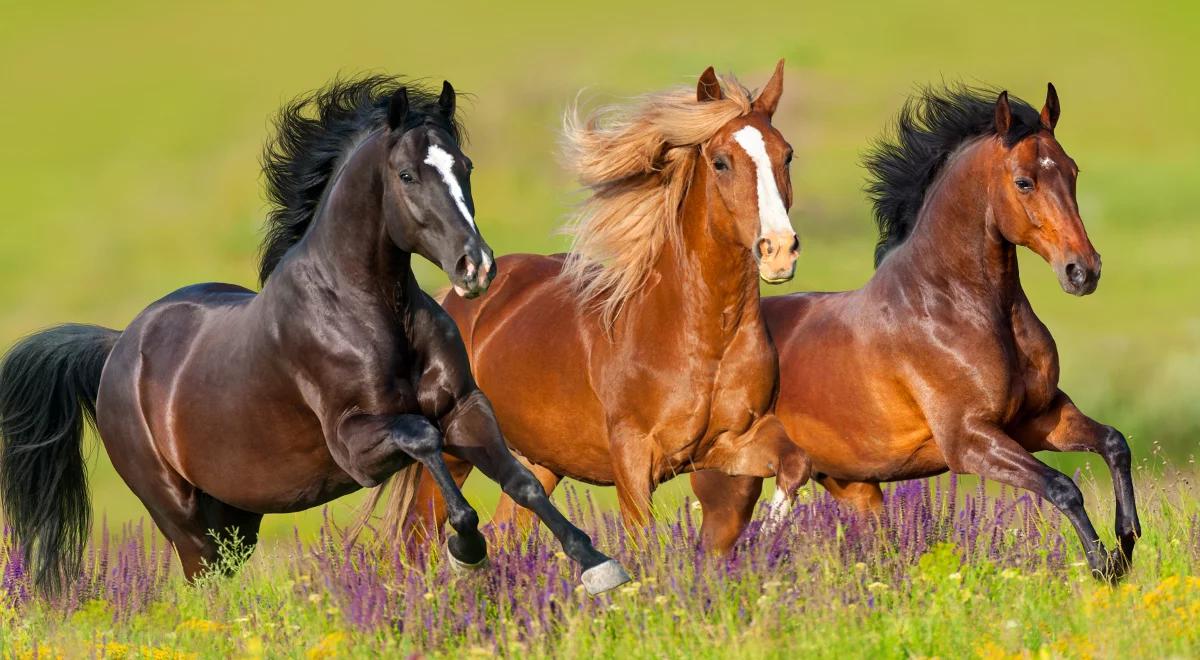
131	133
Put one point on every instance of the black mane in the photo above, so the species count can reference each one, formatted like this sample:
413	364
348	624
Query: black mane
931	125
311	134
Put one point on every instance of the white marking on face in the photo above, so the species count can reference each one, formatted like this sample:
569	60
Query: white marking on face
1046	163
772	215
441	160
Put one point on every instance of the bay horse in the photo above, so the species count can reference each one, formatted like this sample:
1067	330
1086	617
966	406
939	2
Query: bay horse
642	353
939	362
218	404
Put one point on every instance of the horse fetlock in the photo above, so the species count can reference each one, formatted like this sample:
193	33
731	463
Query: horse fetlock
464	519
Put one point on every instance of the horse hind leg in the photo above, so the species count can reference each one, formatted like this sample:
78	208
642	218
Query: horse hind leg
172	502
865	496
228	528
188	517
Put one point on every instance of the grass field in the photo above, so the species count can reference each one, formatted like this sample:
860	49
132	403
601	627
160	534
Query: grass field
132	130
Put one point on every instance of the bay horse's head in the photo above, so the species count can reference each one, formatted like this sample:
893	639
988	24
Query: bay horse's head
747	163
1033	201
428	207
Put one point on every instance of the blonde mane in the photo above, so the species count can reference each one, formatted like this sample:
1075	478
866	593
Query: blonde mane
636	161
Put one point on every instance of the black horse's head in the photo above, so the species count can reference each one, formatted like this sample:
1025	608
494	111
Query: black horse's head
427	194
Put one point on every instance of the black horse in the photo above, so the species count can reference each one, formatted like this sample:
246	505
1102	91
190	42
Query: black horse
218	405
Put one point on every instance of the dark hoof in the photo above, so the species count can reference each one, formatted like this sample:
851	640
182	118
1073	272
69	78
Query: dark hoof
462	566
604	577
1116	565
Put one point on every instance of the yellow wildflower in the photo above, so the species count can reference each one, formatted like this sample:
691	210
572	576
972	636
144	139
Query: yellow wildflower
328	647
200	626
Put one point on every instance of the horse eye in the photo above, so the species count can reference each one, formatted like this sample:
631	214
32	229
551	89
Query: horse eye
1024	185
720	165
406	176
788	161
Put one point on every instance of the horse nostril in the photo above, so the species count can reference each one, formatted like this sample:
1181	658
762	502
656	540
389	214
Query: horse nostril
764	248
795	244
465	268
1076	274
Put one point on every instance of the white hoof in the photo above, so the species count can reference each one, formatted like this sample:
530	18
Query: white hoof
604	577
459	566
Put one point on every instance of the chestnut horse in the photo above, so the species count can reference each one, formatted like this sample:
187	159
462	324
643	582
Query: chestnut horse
642	354
217	404
939	362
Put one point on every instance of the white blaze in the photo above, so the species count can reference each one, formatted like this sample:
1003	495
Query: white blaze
772	215
441	160
1046	163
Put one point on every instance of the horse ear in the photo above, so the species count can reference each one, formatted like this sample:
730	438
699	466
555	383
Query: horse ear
1051	109
709	88
768	98
446	100
1003	115
398	108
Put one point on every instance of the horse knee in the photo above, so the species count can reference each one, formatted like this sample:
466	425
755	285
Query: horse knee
1063	493
1115	448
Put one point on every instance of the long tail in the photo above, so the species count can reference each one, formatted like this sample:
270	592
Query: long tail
402	494
48	387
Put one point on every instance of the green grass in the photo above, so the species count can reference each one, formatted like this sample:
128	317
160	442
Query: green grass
131	133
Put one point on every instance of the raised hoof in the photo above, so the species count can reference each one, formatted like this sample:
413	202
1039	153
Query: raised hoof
604	577
459	566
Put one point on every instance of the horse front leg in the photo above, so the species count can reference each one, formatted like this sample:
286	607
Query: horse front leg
977	447
473	435
375	446
728	505
765	450
1062	427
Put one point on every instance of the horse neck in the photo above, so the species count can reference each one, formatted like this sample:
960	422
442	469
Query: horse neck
348	249
955	246
711	280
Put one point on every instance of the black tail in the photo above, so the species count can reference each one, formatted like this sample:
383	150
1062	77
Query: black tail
48	386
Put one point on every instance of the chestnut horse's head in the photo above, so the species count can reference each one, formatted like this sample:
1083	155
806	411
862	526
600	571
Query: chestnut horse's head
1033	202
747	163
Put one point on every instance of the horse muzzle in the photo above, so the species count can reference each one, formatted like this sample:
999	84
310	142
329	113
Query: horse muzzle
776	256
473	273
1079	276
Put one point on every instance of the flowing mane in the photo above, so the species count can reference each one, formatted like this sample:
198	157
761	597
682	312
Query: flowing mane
903	163
312	133
636	160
